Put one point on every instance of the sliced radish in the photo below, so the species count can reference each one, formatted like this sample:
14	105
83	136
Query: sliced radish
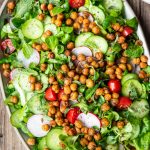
14	73
34	58
35	124
89	120
82	50
85	13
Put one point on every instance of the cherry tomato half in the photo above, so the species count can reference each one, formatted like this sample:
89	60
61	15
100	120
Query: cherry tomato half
50	95
61	92
114	85
73	114
76	3
127	31
7	44
124	102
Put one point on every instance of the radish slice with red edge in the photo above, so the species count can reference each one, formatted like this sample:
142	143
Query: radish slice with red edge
89	120
34	58
14	73
82	50
35	124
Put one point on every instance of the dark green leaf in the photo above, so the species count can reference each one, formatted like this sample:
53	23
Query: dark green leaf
132	23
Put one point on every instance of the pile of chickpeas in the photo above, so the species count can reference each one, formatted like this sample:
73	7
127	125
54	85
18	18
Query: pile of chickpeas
34	84
6	70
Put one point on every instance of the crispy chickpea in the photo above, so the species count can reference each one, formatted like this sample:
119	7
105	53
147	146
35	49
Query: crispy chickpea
69	22
116	26
43	67
58	22
94	64
34	45
64	68
85	29
51	55
78	124
32	79
50	6
48	33
52	110
121	29
45	46
59	121
38	47
118	71
55	88
104	122
56	104
136	61
114	101
6	73
65	97
119	76
6	66
53	123
14	99
92	25
73	87
129	67
80	19
89	83
139	42
110	70
32	87
120	124
67	89
74	15
99	55
83	142
86	22
143	65
122	67
41	17
67	81
43	7
81	57
73	95
124	46
89	59
85	71
59	76
76	77
91	131
115	95
92	71
88	137
31	141
72	132
98	148
84	130
121	39
107	97
110	36
70	45
97	136
99	91
82	79
101	64
144	58
11	5
73	57
60	16
142	74
110	63
51	79
112	76
123	60
105	107
76	26
45	127
53	20
96	30
91	146
67	53
71	74
106	90
51	13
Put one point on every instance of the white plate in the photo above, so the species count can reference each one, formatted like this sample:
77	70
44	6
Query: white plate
129	14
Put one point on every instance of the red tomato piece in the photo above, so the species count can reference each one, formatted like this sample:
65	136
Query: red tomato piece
50	95
124	102
7	44
61	92
73	114
114	85
76	3
127	31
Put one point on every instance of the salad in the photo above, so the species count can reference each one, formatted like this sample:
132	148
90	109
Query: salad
77	75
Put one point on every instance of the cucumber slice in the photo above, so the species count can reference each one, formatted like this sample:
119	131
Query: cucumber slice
52	28
144	94
32	29
113	5
36	106
139	109
97	13
128	77
80	40
128	85
52	139
97	44
42	144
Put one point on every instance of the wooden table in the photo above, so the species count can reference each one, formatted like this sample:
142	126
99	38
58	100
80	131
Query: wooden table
8	138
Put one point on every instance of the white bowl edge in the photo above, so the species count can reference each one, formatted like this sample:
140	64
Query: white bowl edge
129	15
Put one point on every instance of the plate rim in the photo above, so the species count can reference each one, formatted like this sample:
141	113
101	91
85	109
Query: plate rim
139	31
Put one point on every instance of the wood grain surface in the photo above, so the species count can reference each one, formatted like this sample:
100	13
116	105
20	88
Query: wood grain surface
8	137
